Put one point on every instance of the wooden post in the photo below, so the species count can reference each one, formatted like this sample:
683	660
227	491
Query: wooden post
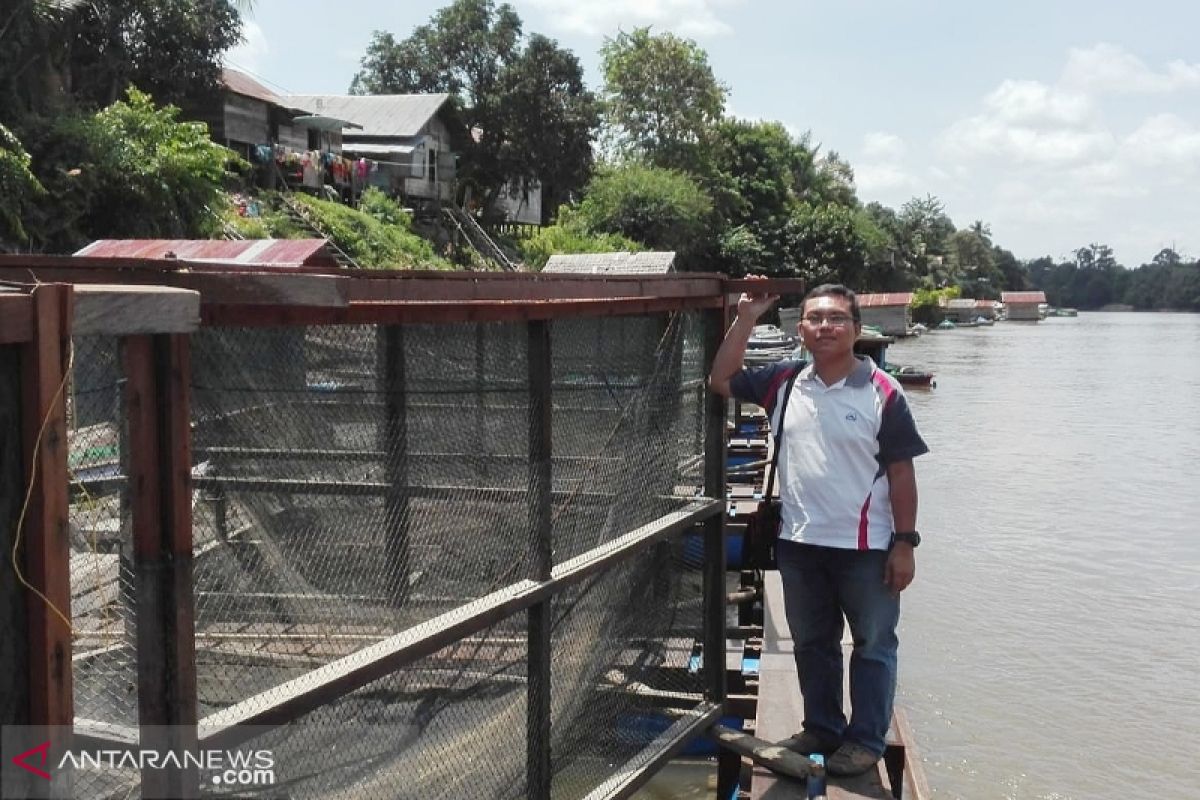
538	762
393	443
157	370
728	761
46	545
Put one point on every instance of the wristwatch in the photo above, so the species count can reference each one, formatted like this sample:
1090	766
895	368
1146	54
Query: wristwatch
910	537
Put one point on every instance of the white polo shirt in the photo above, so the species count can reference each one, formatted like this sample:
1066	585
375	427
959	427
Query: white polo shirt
835	445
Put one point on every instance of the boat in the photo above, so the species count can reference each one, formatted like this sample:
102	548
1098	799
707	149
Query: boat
984	321
917	329
1066	312
946	325
911	376
768	344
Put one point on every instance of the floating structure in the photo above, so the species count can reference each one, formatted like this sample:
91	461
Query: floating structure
1023	306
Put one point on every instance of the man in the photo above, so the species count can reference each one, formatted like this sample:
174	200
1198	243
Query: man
849	498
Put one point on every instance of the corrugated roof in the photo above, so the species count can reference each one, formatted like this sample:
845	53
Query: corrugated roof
379	115
622	263
884	299
377	149
961	302
1022	297
241	83
256	252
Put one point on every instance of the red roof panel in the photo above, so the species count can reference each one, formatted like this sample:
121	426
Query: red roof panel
1023	297
884	299
256	252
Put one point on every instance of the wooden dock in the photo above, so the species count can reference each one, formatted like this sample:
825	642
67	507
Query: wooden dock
780	710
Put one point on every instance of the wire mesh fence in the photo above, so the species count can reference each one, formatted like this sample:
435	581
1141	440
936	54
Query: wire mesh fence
356	483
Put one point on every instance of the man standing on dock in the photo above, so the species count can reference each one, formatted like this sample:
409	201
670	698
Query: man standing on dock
849	497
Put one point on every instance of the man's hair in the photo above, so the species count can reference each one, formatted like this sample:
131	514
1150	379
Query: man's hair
835	290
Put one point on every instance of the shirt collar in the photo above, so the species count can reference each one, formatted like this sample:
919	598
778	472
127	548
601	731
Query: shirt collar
859	376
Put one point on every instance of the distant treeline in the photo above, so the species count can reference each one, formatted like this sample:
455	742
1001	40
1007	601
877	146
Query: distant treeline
1094	279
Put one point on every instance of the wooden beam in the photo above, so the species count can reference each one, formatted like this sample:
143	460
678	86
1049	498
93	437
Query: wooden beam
156	399
16	318
121	310
46	546
394	313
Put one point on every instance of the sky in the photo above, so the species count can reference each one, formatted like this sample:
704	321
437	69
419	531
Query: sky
1058	123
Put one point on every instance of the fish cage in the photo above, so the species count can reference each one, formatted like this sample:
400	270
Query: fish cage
400	535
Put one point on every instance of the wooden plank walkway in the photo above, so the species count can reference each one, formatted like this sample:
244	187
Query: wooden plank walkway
781	709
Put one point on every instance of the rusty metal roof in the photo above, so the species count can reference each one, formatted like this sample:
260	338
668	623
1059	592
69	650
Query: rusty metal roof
1023	297
257	252
884	299
241	83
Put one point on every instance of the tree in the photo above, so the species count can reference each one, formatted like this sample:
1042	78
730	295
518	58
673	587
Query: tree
660	96
18	187
825	245
132	170
522	114
549	119
661	209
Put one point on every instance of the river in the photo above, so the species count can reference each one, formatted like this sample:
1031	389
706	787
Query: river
1050	646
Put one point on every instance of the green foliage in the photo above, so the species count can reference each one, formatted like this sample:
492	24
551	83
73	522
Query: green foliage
825	244
559	239
383	208
661	209
371	242
660	96
132	170
927	304
18	187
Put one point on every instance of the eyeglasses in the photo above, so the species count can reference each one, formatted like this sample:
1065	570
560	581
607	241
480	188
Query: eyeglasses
836	320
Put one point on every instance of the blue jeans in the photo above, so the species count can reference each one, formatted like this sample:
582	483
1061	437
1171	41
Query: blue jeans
819	585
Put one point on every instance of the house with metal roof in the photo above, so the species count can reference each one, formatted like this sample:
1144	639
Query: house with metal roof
1025	306
621	263
405	136
246	115
889	311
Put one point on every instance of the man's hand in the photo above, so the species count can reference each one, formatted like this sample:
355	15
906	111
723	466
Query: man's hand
752	305
901	567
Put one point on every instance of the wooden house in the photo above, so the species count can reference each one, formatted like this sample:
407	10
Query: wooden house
246	115
890	311
405	136
1023	305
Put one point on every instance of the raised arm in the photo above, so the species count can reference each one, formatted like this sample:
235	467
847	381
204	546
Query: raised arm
732	351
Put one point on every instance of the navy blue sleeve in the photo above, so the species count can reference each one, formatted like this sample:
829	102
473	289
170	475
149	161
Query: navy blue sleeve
759	385
898	437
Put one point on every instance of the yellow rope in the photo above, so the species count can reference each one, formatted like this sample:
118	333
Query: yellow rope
37	446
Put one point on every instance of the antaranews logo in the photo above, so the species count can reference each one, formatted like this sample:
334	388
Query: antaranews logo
22	760
226	768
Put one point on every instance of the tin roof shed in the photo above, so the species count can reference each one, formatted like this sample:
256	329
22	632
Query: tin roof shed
247	252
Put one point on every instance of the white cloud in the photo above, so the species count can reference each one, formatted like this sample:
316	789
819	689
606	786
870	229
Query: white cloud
873	178
993	138
1109	68
1165	140
882	146
250	53
1035	103
689	18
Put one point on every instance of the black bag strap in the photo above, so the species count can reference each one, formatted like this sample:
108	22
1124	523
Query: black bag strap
774	468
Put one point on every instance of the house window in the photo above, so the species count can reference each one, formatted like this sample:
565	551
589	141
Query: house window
433	166
314	139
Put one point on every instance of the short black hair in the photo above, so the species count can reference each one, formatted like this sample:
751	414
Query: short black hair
835	290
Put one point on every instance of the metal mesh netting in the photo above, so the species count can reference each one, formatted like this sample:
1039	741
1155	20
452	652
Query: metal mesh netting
355	482
103	593
352	483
